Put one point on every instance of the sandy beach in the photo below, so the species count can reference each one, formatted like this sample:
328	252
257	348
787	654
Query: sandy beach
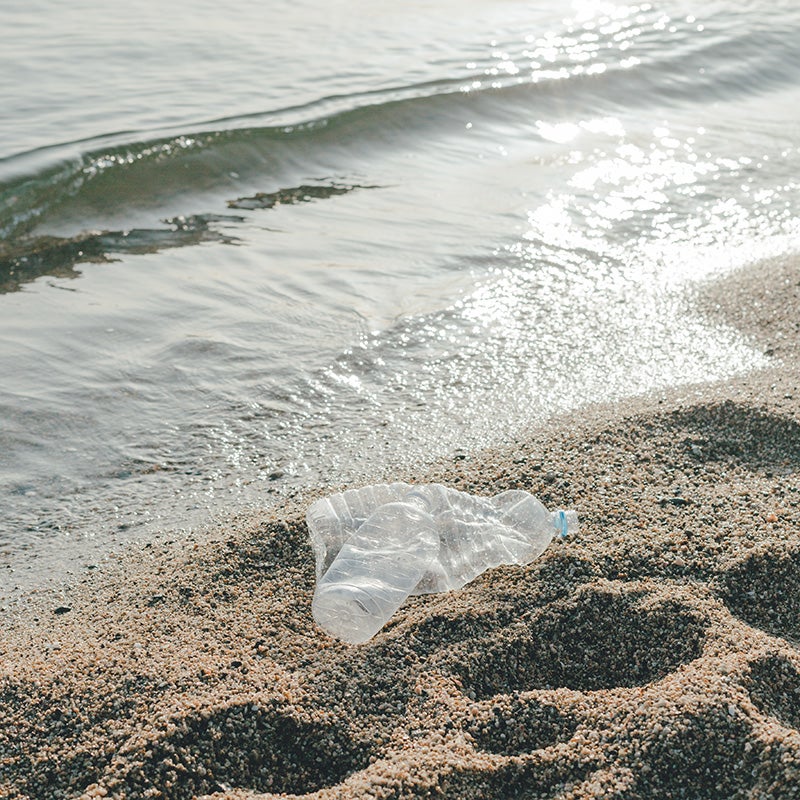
656	654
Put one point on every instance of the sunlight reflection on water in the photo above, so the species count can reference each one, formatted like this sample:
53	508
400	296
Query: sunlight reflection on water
437	240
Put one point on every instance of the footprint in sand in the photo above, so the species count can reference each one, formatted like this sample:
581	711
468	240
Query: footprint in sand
246	745
774	686
604	636
763	589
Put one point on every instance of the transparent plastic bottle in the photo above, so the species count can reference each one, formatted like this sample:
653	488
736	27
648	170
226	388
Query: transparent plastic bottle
479	533
375	571
334	519
375	546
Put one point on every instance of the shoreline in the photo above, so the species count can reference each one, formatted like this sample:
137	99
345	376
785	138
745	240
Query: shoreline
656	654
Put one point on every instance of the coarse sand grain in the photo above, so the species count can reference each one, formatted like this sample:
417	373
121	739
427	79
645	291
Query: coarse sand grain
656	654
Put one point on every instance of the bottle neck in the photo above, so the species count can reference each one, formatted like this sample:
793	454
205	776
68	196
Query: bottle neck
565	522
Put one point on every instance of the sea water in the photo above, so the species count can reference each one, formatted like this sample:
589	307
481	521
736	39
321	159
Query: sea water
256	247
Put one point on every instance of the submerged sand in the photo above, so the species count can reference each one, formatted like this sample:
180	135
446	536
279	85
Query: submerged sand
654	655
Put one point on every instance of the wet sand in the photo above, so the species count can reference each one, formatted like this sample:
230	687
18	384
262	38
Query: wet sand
656	654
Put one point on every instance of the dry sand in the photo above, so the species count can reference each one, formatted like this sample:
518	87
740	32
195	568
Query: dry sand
654	655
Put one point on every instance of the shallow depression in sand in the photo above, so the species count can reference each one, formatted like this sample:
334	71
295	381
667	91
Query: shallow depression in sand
252	747
763	589
774	686
521	725
600	638
738	433
704	755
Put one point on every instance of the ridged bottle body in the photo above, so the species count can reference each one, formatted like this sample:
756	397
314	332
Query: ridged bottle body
334	519
375	571
479	533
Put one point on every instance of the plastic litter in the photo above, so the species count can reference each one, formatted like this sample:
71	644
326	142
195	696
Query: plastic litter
377	545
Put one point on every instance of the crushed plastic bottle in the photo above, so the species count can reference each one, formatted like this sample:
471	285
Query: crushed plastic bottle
375	571
377	545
